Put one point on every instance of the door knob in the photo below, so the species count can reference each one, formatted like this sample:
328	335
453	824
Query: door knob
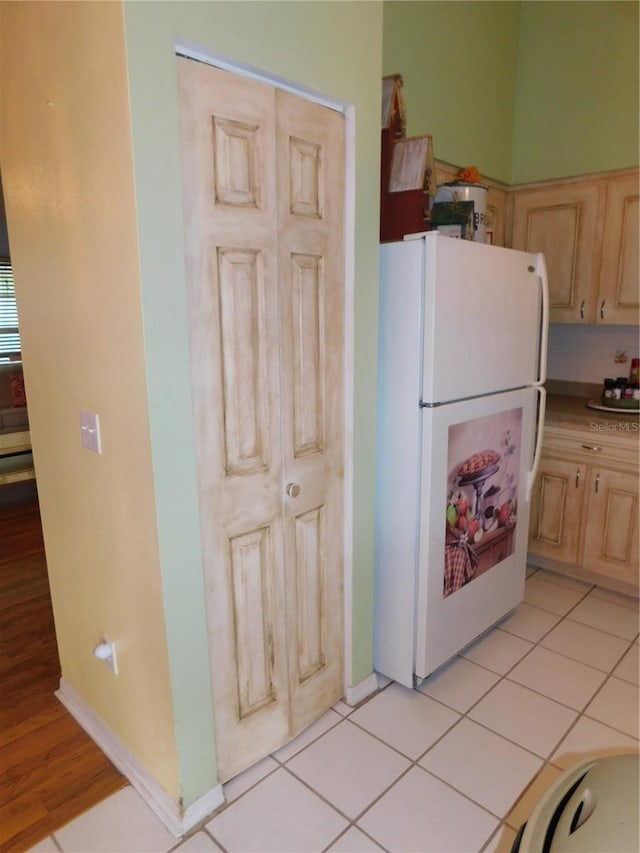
293	490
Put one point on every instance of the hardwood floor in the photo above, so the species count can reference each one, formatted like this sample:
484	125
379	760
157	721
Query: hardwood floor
50	770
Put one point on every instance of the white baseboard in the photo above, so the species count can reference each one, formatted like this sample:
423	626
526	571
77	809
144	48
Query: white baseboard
177	819
358	692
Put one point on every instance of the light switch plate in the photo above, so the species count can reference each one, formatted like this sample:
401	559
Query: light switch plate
90	431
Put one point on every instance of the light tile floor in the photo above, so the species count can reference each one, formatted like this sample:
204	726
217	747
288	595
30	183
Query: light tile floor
454	765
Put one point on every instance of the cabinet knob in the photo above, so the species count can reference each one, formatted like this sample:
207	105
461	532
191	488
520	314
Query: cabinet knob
293	490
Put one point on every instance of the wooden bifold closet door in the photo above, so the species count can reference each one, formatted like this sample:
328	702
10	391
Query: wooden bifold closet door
263	186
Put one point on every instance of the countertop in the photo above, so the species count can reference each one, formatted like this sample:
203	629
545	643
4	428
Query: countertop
567	406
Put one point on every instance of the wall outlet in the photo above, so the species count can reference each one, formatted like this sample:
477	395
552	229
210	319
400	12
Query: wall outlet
106	651
90	431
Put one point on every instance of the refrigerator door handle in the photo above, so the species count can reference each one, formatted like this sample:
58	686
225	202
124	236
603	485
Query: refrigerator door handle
544	331
531	474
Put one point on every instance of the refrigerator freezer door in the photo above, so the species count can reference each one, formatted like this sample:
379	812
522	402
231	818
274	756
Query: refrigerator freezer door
474	520
483	313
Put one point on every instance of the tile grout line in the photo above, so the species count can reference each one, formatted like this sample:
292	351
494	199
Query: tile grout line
504	676
545	759
358	829
414	763
589	593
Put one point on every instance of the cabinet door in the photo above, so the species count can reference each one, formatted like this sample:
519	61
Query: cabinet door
611	531
564	221
556	510
619	285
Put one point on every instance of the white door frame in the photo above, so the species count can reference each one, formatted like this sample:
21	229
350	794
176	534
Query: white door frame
192	51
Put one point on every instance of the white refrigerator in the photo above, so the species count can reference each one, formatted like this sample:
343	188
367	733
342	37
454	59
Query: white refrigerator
461	366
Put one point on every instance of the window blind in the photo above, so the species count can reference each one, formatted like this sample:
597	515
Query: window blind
9	333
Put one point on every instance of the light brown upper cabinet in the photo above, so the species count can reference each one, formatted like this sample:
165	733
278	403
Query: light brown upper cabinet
564	221
619	273
588	230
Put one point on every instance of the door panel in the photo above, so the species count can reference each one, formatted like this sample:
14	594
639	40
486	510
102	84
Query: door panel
307	297
311	586
252	572
236	163
305	178
244	355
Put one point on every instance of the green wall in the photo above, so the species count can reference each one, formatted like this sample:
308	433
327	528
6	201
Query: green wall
577	94
525	91
458	61
333	48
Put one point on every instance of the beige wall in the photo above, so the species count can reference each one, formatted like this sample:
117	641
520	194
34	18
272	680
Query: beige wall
67	173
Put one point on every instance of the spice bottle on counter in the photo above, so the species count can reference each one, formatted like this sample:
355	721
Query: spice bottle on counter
611	392
626	393
634	378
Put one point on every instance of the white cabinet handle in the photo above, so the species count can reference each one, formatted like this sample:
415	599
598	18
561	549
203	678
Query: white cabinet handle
531	475
544	330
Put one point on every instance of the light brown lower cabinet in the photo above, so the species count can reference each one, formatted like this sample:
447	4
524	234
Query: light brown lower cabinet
611	534
584	509
556	510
